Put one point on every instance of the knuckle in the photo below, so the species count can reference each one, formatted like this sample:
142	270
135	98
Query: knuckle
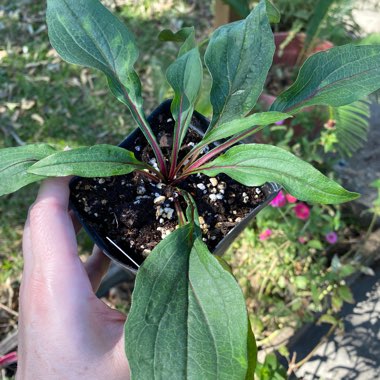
41	208
36	212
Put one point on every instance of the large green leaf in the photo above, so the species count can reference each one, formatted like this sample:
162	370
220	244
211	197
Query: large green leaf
96	161
255	164
238	57
335	77
185	77
85	33
241	125
188	318
189	43
273	13
218	337
14	164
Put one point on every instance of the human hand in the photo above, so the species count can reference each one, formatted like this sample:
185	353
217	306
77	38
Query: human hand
65	331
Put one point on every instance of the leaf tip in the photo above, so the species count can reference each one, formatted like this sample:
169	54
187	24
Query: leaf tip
345	196
353	195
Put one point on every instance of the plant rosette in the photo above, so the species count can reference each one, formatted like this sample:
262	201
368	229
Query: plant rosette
127	225
188	317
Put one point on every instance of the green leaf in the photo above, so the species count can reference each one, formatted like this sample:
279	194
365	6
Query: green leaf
273	13
185	35
346	294
284	351
336	302
301	282
334	77
85	33
316	244
192	214
14	164
185	77
155	332
94	161
251	342
376	183
189	44
346	270
180	36
238	57
255	164
188	318
271	369
218	321
241	125
327	318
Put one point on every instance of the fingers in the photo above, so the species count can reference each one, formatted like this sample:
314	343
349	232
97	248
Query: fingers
26	243
96	267
49	245
51	228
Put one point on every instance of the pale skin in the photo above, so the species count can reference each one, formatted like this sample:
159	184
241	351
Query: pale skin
65	331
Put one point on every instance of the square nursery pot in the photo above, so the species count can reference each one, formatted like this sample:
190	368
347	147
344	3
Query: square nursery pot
126	216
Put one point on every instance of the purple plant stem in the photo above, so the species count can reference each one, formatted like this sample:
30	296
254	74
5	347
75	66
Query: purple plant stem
191	157
177	137
180	214
152	177
219	149
145	128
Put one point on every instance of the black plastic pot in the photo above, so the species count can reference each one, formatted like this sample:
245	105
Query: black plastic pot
199	124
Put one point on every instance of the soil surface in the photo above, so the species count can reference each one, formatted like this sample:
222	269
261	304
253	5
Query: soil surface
137	213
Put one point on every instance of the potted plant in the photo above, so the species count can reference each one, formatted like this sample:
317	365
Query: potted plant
138	220
188	316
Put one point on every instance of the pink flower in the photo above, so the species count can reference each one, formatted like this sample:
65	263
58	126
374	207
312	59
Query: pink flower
302	211
265	234
279	200
280	122
302	239
331	237
290	198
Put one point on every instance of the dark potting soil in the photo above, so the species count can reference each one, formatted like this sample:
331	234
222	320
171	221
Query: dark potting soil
136	213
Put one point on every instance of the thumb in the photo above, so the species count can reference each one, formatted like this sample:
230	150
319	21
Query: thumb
49	245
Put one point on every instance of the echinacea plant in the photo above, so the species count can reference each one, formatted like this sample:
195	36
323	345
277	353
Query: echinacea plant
188	317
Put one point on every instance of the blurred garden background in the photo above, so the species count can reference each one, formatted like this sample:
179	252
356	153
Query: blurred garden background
297	263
